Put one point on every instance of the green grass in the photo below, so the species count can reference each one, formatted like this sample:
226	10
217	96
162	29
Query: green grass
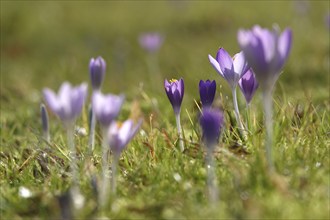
46	43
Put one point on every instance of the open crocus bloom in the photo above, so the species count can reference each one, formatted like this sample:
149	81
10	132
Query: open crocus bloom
207	92
106	107
232	69
175	91
68	103
97	71
266	52
248	85
119	135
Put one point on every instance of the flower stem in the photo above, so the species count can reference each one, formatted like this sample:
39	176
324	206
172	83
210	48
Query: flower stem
77	198
105	178
267	102
114	174
237	115
211	180
91	141
178	125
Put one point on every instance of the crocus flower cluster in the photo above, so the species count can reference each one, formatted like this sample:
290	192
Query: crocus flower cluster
68	104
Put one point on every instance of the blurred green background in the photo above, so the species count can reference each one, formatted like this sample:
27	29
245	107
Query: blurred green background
45	43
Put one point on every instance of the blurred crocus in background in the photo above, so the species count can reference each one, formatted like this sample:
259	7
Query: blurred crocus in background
231	69
248	85
97	71
211	122
106	109
151	41
175	91
207	92
119	135
266	52
67	105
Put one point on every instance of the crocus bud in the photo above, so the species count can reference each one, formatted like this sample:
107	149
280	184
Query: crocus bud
211	122
97	71
248	85
175	91
68	103
207	92
266	52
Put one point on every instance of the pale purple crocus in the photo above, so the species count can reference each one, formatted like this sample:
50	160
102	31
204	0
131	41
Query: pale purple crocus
212	123
118	136
248	85
207	92
175	91
97	71
151	41
106	107
68	103
231	69
266	52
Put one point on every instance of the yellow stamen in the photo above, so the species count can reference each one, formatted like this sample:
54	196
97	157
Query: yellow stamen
173	80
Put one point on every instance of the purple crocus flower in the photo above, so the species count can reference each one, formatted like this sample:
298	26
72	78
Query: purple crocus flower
151	41
119	135
175	91
68	103
248	85
266	52
106	107
207	92
211	122
97	71
232	69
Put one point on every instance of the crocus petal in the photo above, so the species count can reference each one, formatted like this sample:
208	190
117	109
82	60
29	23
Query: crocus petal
78	97
215	65
225	61
240	65
284	45
51	100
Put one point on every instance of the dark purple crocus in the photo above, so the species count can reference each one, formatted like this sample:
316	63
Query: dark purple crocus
175	91
248	85
151	41
97	71
207	92
106	107
266	52
68	103
211	122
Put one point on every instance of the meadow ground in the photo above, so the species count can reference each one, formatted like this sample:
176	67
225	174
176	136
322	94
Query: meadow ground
46	43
